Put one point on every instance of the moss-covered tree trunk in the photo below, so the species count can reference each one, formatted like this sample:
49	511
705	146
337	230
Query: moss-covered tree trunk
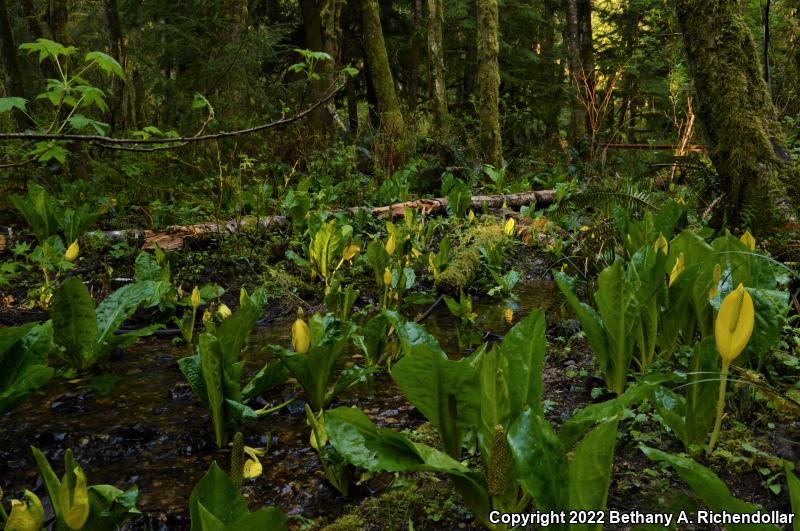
733	105
489	82
470	83
577	117
414	54
436	62
57	18
388	105
311	11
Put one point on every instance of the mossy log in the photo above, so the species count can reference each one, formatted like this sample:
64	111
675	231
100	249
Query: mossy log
465	266
173	236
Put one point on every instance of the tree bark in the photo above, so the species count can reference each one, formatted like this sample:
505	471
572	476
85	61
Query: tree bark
31	19
733	105
578	115
388	105
470	83
120	101
489	82
13	75
313	40
416	45
57	18
586	44
436	62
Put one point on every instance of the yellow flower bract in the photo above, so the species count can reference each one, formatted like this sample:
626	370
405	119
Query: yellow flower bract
735	323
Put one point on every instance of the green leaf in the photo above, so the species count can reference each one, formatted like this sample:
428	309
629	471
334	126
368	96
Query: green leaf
106	63
6	104
616	305
524	347
314	369
355	437
324	248
120	306
190	368
271	375
590	471
211	360
75	323
707	486
51	481
540	461
79	121
48	49
220	498
794	492
443	390
590	320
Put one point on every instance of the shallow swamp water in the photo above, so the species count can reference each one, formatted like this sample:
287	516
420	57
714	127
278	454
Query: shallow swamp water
148	429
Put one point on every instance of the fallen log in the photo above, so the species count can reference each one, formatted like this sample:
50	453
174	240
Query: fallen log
172	237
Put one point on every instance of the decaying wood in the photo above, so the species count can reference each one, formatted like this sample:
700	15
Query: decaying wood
173	236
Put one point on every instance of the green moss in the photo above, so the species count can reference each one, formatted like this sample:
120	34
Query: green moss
465	266
348	522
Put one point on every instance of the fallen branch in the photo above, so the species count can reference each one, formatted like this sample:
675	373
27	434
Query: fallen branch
106	141
172	237
668	147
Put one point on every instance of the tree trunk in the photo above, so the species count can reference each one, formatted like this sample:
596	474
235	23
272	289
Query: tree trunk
31	19
744	138
470	83
554	72
388	105
416	45
13	75
436	62
312	29
578	115
57	17
120	102
489	82
586	50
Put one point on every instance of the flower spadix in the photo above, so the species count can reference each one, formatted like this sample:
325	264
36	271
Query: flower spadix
735	323
301	334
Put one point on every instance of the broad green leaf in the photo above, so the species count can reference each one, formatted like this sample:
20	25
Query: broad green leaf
495	404
590	320
616	305
234	331
540	461
121	305
6	104
219	496
524	349
701	394
443	390
707	486
269	376
211	370
75	323
590	471
106	63
323	249
794	492
265	518
193	373
79	121
354	436
51	481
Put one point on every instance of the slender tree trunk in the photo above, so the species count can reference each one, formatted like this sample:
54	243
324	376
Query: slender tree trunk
470	82
416	45
578	115
119	94
767	74
13	75
489	82
312	27
57	18
586	49
554	71
745	140
388	105
31	19
436	62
